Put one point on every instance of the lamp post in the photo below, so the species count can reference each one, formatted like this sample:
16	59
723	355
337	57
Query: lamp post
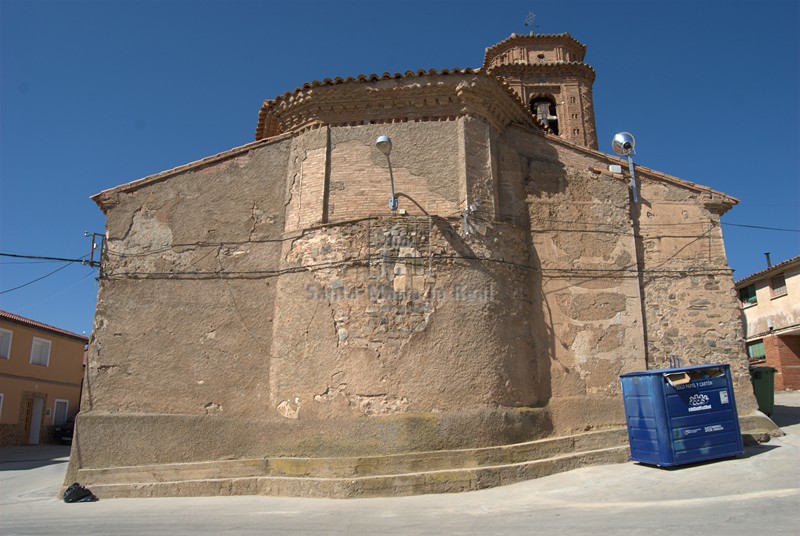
623	144
384	145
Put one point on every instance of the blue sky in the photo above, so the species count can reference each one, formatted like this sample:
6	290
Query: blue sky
96	94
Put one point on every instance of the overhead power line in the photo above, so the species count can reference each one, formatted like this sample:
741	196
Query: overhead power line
67	261
35	280
82	260
761	227
631	270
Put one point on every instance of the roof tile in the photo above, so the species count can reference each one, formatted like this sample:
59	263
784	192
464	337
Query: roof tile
774	268
34	324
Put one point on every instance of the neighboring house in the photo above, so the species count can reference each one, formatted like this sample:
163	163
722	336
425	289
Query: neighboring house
41	372
770	301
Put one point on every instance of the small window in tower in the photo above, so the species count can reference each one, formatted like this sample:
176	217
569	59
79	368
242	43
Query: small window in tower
544	108
572	100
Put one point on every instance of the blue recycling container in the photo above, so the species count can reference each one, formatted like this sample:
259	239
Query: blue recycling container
681	415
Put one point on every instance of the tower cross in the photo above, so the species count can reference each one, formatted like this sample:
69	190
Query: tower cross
529	19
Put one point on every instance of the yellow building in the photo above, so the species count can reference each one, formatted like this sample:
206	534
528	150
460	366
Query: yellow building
41	372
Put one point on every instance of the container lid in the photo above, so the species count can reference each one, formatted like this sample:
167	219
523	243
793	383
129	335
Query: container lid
675	370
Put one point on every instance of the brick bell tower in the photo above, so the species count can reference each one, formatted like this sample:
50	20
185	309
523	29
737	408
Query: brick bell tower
548	73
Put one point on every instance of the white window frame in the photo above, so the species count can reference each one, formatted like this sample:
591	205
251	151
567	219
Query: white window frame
37	340
55	411
10	334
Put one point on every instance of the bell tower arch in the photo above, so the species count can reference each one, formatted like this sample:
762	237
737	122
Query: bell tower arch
548	73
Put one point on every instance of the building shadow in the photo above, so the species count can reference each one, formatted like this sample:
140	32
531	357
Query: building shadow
785	415
756	449
32	457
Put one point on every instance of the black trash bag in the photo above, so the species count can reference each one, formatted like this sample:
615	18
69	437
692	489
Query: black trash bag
78	493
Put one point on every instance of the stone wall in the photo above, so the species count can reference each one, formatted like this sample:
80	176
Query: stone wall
271	295
620	288
171	334
586	300
690	301
425	165
403	314
214	305
339	175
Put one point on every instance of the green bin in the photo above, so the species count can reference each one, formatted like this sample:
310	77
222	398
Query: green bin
763	379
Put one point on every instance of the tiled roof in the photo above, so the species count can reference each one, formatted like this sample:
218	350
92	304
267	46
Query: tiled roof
375	77
5	315
362	78
531	37
106	198
772	269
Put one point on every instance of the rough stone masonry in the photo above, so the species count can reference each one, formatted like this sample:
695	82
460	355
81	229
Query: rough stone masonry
266	301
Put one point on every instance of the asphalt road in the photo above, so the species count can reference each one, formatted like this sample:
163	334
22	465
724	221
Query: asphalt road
755	494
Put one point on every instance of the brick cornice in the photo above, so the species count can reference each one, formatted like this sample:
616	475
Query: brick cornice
566	69
413	96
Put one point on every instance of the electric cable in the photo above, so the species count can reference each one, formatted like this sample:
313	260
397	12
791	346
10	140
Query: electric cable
263	274
27	262
60	292
35	280
68	263
314	267
762	227
82	260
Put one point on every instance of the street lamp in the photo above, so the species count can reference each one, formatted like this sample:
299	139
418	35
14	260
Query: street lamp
623	144
384	145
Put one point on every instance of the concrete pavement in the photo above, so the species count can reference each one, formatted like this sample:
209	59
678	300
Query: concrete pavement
757	493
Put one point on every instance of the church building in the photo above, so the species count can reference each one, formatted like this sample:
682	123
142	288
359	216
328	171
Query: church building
408	283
